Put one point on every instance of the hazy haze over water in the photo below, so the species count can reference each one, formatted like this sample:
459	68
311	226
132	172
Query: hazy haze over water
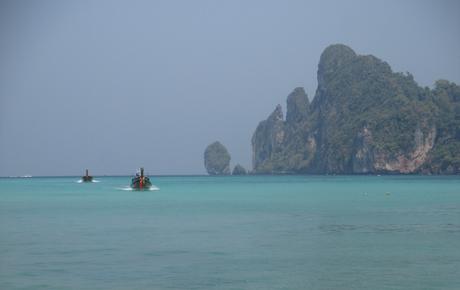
113	85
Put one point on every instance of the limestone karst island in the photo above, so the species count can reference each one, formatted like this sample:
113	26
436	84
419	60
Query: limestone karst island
363	119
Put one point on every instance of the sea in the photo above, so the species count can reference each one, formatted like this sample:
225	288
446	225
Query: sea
231	232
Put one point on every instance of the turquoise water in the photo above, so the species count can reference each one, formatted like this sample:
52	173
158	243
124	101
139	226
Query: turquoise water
250	232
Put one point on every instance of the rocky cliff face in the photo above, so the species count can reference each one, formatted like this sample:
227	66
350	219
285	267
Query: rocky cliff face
444	158
297	107
363	119
267	141
217	159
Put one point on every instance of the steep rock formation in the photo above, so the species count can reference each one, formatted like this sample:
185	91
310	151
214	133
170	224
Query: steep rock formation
217	159
363	119
267	141
297	106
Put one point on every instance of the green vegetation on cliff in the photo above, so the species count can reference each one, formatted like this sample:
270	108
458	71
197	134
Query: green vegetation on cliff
445	156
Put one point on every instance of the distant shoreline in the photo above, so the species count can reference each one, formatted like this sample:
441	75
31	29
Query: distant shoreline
248	175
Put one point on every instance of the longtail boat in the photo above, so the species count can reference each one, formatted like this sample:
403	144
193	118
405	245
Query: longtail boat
87	177
140	181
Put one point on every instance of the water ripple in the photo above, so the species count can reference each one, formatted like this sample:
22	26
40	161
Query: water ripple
389	228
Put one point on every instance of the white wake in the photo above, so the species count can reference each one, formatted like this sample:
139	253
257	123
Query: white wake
128	188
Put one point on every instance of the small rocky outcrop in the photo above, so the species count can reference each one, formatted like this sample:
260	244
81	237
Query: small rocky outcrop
239	170
217	159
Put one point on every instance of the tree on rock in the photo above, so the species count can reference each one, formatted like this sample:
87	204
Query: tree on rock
217	159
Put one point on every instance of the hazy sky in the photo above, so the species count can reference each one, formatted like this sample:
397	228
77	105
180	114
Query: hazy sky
113	85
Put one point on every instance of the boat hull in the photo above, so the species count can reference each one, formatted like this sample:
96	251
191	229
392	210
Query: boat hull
87	179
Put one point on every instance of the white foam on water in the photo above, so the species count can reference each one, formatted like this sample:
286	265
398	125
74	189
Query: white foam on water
128	188
94	181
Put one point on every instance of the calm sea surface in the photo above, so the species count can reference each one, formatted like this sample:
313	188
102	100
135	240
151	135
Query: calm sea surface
251	232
